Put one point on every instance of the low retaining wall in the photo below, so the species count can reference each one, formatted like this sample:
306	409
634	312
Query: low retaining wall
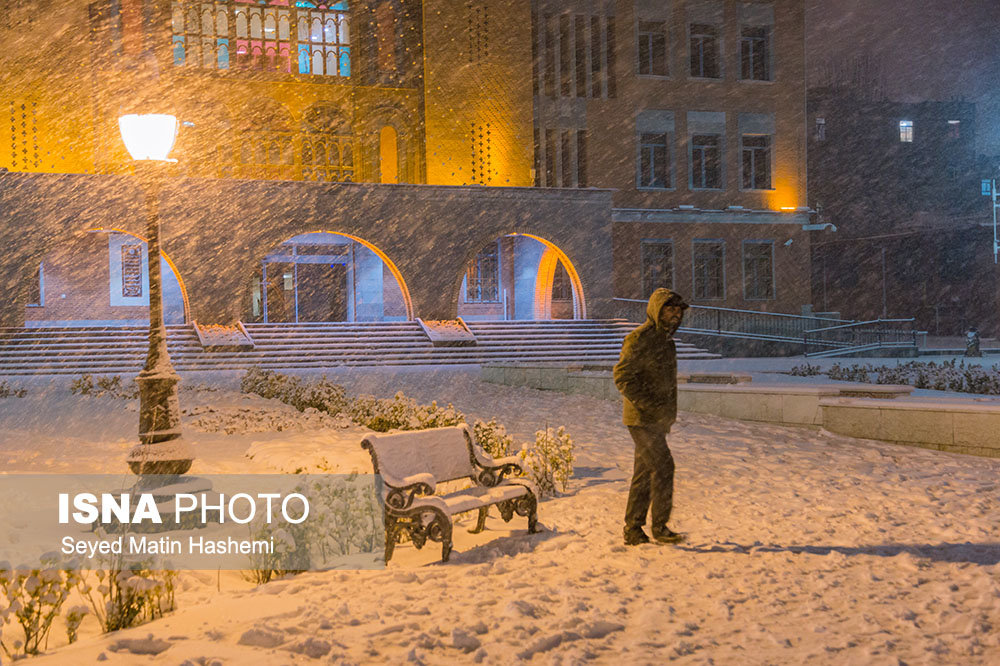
959	426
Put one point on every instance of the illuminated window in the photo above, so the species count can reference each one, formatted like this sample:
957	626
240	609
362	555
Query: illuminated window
482	278
704	45
706	161
657	266
756	163
200	34
652	48
388	155
906	131
327	145
755	53
954	129
708	263
758	270
131	269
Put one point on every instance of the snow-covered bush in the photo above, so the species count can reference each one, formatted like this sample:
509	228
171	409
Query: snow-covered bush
805	370
493	437
853	373
32	598
127	594
402	413
291	552
74	616
550	460
8	391
321	394
104	386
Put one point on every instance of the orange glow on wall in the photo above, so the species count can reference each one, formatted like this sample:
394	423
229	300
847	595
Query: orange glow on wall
388	155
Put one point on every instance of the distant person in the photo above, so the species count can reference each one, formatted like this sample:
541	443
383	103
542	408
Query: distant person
972	343
646	376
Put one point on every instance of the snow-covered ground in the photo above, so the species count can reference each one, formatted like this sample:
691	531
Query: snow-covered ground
803	547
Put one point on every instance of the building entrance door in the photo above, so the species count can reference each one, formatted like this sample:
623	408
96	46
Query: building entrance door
322	292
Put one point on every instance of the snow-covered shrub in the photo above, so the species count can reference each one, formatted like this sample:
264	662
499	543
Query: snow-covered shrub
321	394
33	598
805	370
291	552
853	373
550	460
948	376
401	413
493	437
8	391
74	616
128	594
104	386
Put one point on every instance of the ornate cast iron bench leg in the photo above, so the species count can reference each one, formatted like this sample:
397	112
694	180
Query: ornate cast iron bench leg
391	536
481	522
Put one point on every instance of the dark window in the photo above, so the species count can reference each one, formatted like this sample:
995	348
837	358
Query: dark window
612	89
821	129
756	162
550	57
652	48
654	160
758	270
709	270
954	129
580	59
482	279
706	162
567	163
705	51
565	68
581	158
550	158
36	288
596	57
657	266
755	53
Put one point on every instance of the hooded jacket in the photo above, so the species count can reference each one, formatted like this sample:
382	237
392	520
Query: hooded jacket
646	373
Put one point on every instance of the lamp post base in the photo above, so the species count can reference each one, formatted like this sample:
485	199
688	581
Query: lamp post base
161	449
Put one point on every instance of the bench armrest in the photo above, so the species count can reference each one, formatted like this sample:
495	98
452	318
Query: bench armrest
400	492
491	471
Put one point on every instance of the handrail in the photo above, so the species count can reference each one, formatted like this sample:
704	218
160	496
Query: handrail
863	323
755	312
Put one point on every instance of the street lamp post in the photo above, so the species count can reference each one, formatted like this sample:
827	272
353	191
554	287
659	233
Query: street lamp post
161	450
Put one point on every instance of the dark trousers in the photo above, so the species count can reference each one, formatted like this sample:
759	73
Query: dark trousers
652	479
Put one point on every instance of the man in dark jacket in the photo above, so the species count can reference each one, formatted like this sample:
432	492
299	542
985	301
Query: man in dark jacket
646	376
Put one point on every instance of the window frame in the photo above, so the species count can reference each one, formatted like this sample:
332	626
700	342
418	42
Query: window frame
720	159
774	285
905	128
656	242
754	151
669	156
474	268
663	32
695	244
719	52
767	58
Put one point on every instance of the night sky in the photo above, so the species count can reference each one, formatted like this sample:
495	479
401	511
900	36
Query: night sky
928	49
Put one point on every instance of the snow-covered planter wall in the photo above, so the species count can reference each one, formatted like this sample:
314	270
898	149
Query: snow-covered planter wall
447	332
215	337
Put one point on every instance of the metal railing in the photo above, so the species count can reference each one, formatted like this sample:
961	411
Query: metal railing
730	322
861	336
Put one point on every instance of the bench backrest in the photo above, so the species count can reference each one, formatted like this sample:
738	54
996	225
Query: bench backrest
442	452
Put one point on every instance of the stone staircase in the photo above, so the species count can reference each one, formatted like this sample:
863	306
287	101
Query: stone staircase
26	351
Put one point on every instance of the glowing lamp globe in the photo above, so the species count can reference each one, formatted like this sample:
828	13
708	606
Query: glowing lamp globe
148	136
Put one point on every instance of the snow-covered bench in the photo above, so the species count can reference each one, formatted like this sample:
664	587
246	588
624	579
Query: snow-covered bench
412	463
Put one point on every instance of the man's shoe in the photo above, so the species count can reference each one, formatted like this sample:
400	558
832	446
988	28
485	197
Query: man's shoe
666	535
635	537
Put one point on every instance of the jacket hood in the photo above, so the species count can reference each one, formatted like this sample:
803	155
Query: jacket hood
657	300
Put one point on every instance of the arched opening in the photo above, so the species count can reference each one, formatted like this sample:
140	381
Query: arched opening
101	278
521	277
326	276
